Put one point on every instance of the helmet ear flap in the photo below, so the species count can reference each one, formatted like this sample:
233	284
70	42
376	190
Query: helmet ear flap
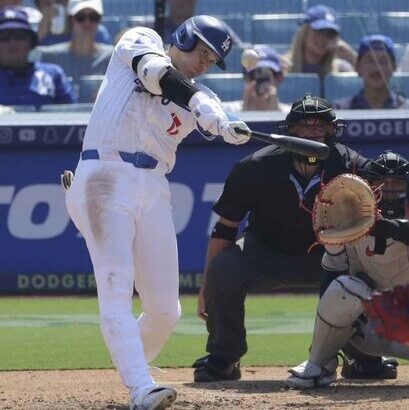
186	42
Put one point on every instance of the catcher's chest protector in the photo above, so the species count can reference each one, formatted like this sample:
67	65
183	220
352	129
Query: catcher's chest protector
387	270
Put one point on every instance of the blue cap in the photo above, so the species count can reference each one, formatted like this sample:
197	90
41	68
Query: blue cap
376	42
321	17
268	58
14	18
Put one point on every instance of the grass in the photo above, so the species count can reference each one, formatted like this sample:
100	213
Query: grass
63	333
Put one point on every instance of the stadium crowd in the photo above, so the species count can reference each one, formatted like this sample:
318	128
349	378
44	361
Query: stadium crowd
71	42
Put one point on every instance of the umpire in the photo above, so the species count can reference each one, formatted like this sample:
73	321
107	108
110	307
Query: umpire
276	189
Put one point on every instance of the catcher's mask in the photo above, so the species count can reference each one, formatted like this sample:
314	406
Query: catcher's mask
390	170
304	111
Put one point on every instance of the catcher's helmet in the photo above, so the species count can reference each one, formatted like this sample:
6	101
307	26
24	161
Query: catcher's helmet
213	32
393	170
389	164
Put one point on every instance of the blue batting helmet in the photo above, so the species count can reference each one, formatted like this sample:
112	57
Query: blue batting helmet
213	32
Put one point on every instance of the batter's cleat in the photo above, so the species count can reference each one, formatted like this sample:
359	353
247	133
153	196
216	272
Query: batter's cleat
158	398
372	368
212	369
308	375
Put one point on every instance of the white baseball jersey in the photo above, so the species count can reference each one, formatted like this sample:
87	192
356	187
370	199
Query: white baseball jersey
387	270
128	118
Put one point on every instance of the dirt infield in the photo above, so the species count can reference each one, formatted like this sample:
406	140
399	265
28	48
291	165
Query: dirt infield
260	388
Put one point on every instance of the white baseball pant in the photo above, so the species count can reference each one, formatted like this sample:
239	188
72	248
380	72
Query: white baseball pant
125	216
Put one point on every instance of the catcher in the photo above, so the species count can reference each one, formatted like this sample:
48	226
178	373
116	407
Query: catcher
367	254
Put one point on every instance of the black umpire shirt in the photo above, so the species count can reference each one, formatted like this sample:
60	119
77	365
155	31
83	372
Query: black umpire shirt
267	187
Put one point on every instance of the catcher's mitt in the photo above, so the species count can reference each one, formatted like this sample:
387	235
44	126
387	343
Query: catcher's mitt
344	210
390	312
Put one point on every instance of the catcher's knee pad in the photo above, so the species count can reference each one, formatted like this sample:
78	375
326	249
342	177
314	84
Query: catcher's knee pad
338	309
341	305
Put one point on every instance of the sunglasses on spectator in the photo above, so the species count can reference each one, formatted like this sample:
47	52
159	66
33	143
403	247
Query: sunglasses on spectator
81	17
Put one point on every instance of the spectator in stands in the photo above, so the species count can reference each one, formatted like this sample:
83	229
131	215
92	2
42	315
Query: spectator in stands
23	82
403	66
120	34
56	23
375	65
82	55
34	16
260	84
317	46
178	12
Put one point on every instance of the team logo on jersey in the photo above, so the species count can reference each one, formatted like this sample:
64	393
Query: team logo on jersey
173	129
139	87
369	252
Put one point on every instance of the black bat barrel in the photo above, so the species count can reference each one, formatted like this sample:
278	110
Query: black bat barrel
300	146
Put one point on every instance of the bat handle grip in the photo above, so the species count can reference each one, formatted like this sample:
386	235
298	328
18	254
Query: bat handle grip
241	131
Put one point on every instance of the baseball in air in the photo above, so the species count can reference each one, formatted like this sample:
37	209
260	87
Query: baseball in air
249	58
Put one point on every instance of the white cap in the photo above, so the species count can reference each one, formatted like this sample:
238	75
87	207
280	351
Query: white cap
75	6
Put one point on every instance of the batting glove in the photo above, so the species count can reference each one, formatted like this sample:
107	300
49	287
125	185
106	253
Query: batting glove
211	117
208	112
235	132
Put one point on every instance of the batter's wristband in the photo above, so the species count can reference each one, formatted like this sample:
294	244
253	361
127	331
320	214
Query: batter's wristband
177	87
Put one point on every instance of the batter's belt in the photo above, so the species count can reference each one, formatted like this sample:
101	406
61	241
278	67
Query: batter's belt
137	159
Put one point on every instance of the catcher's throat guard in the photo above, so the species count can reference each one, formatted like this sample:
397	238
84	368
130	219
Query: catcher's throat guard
344	211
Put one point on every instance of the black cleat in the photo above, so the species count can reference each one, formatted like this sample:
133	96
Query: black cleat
377	368
213	369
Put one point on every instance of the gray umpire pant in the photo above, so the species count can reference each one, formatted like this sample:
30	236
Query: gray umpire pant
249	265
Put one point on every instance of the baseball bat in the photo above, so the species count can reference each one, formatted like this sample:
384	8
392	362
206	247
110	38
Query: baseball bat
300	146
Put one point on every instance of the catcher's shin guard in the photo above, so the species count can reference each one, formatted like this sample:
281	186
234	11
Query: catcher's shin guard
338	309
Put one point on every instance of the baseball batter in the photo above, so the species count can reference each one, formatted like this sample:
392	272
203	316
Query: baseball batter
120	197
374	263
